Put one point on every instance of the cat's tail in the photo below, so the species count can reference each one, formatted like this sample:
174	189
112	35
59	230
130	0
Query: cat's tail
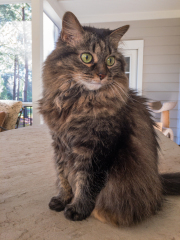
171	183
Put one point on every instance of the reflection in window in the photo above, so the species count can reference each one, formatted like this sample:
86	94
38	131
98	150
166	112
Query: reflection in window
50	35
127	69
15	52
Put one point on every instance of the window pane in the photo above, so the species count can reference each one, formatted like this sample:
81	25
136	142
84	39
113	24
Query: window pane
50	35
127	59
15	52
127	68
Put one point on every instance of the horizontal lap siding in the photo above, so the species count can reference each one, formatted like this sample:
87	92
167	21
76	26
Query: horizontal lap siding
160	78
161	50
162	96
160	87
161	63
162	59
162	41
161	68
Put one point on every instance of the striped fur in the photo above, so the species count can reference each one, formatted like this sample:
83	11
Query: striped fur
104	141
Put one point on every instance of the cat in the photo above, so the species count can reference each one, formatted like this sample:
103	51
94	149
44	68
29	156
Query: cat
105	144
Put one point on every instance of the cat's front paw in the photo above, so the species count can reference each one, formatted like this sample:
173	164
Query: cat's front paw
56	204
72	212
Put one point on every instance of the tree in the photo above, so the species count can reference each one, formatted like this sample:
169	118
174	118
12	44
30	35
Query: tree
15	51
25	55
15	75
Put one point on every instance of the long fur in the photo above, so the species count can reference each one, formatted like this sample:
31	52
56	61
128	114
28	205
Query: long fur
105	145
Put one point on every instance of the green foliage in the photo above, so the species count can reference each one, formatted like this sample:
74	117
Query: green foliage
13	12
15	47
5	91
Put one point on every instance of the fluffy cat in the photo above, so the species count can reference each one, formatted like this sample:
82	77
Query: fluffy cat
105	145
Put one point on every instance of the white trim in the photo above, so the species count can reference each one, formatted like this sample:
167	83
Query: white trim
14	1
37	56
28	104
53	11
53	8
133	16
136	45
178	117
132	67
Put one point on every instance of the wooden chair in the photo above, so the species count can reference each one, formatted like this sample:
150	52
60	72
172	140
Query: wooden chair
163	125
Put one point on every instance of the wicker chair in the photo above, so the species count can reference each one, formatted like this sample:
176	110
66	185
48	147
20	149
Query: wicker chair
12	111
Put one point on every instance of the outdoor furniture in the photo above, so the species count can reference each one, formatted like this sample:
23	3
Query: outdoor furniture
19	117
163	125
2	119
12	110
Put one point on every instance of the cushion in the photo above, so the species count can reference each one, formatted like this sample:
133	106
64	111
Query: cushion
2	118
12	109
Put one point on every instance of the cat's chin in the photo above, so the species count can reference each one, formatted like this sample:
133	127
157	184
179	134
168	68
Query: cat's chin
91	86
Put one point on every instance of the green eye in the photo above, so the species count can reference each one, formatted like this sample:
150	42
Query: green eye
110	61
86	57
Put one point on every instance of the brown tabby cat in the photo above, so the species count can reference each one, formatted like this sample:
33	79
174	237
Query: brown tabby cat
104	140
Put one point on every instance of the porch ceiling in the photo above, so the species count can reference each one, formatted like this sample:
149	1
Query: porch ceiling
121	10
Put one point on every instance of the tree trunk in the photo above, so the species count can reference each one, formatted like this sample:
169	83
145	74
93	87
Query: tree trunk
26	79
25	57
18	80
15	76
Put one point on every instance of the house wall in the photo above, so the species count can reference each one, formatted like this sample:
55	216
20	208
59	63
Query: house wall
161	63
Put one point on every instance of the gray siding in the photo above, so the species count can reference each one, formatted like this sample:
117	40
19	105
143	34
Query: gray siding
161	64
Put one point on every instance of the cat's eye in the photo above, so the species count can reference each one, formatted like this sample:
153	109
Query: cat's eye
86	57
110	61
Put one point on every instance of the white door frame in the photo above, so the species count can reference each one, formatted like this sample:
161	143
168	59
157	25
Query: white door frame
136	45
132	54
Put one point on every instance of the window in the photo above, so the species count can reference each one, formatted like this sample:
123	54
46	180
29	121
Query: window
15	52
131	67
50	35
16	57
133	52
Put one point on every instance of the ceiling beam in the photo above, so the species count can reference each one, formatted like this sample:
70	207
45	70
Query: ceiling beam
53	11
129	16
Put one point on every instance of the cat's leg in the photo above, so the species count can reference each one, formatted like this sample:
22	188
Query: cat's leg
59	202
85	188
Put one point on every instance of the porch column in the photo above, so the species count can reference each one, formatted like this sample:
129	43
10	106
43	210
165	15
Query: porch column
37	56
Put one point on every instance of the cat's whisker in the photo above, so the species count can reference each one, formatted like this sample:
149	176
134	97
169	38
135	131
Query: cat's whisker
120	95
112	89
126	94
129	96
116	85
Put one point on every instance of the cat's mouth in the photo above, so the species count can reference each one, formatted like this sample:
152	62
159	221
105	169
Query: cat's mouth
91	85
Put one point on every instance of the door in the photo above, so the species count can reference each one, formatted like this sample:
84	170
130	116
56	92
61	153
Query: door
133	52
131	67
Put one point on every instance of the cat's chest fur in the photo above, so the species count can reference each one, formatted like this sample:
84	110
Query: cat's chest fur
88	115
88	127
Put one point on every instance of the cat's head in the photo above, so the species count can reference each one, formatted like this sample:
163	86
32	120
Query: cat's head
88	57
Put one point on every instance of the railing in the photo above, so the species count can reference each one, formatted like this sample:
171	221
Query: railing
26	118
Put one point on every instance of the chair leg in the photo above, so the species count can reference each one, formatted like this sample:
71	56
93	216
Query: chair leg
165	119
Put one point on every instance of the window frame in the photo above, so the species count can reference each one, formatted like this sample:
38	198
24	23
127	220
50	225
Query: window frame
132	54
14	2
139	46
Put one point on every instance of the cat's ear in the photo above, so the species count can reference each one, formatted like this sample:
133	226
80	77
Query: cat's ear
72	31
117	34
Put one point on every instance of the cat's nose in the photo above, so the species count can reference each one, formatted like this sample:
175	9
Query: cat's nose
101	76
